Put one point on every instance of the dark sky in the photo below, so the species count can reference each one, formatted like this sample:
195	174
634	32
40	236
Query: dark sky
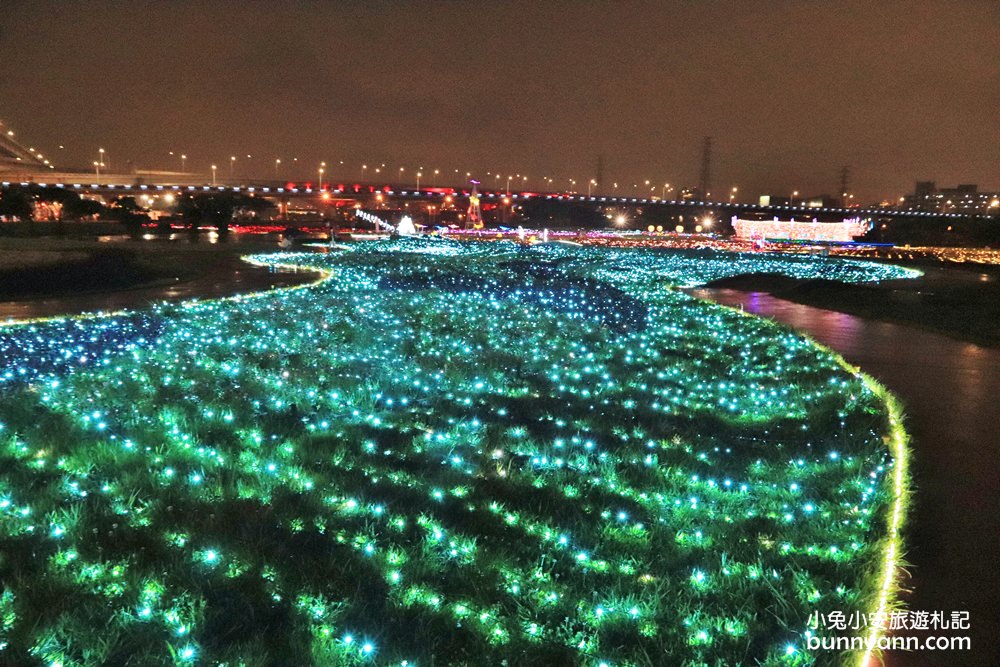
790	91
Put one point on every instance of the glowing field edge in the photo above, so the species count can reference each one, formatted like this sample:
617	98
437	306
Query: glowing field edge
888	591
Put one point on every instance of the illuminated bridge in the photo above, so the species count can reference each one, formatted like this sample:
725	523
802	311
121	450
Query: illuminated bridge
390	194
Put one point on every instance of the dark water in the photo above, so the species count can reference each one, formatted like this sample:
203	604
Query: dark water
231	276
951	395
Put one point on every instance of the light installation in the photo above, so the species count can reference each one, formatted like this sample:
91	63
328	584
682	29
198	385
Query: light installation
474	216
828	232
452	452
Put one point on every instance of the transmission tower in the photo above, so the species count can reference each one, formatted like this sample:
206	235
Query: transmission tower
705	183
845	175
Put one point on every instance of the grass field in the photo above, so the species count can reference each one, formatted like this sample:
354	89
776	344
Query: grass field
444	454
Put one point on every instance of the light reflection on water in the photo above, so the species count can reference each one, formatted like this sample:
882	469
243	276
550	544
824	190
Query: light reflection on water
950	390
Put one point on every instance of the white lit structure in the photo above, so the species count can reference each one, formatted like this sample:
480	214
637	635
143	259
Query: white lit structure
406	227
827	232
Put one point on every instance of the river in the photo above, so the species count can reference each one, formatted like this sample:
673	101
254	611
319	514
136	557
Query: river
229	276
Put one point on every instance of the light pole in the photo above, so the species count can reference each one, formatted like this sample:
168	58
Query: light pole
184	163
364	171
508	185
418	181
232	166
100	159
277	163
732	194
663	195
97	168
213	175
321	171
795	194
590	184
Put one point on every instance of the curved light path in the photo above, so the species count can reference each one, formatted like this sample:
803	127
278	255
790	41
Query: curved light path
458	452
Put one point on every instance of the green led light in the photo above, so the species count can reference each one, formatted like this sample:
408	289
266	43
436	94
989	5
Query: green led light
531	447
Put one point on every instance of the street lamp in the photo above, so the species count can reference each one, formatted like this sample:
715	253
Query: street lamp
664	194
184	163
321	172
97	168
590	185
277	163
213	175
101	157
508	185
794	195
419	174
364	171
232	166
732	195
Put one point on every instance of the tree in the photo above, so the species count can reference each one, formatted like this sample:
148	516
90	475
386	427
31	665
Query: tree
75	209
128	212
16	202
220	209
544	212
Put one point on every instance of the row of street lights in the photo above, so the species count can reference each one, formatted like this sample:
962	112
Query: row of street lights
419	173
104	162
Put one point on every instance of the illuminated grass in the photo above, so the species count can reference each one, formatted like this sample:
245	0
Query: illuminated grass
469	453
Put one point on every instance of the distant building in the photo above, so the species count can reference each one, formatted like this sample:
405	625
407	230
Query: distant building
963	198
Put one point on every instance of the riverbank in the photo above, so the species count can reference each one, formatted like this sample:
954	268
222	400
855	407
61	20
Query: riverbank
46	277
962	304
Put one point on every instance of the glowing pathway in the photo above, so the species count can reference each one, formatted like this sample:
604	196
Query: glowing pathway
471	452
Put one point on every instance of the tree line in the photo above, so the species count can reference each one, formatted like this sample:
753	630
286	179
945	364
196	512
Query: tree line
216	209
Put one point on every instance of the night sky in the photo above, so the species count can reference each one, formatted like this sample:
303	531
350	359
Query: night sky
789	91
